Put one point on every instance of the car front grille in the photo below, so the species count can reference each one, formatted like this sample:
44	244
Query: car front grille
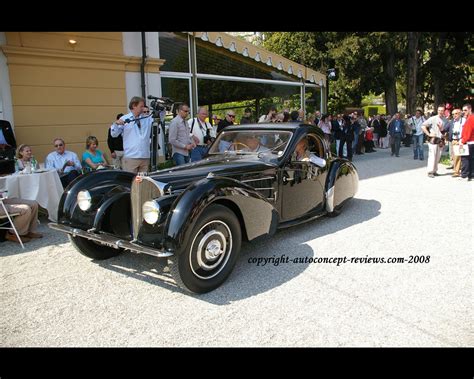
143	189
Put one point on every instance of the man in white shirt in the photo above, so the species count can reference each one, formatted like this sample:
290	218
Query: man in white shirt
202	132
135	127
65	162
433	128
455	131
415	122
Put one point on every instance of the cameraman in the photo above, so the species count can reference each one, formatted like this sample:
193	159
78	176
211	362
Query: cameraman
203	134
136	136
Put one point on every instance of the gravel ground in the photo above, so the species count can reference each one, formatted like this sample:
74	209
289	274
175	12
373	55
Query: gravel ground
52	296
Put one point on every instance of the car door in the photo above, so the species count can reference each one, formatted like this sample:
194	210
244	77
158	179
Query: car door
302	184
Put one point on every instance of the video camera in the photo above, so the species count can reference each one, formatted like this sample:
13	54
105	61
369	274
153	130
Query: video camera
160	104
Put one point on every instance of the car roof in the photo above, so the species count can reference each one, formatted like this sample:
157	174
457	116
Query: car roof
284	126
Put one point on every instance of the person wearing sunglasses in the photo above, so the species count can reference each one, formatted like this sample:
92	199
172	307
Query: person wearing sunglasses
180	136
228	120
65	162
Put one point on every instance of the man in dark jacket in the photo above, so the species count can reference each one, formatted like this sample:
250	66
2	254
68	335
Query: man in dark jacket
247	118
116	146
396	130
228	120
376	125
7	148
347	136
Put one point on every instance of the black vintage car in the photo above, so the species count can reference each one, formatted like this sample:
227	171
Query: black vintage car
254	180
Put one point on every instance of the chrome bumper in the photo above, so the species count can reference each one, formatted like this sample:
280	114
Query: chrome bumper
110	240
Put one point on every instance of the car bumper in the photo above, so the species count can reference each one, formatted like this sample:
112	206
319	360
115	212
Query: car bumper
110	240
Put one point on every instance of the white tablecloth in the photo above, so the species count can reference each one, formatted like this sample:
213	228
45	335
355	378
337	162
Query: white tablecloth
45	188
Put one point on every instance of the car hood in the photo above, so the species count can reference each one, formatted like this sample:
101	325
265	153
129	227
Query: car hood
235	167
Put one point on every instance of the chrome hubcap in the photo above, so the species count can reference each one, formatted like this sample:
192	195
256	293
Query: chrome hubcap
210	249
213	249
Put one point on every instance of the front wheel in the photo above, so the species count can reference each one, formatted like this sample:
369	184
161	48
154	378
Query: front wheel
93	250
211	252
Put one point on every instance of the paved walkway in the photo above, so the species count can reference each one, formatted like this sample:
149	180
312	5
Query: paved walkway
52	296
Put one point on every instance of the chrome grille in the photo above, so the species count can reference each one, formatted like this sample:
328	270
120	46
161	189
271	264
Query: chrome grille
143	189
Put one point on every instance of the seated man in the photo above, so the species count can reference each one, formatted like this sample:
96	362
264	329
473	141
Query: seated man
26	223
66	163
304	155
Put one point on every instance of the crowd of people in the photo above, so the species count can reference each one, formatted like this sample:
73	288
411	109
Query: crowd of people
129	142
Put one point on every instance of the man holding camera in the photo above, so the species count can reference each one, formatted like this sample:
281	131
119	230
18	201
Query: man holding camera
180	136
135	127
202	133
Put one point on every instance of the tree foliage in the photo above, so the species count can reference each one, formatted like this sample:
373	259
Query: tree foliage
376	62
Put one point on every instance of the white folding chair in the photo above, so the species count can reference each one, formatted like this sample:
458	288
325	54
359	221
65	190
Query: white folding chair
7	218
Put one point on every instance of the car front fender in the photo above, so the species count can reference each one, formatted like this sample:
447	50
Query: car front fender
99	182
256	214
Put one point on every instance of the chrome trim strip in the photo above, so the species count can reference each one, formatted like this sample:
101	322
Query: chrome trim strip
264	188
330	199
110	240
254	180
163	187
143	189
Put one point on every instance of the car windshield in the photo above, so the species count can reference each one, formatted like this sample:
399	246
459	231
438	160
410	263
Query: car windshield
257	142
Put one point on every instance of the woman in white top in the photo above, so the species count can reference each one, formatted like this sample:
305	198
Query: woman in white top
325	126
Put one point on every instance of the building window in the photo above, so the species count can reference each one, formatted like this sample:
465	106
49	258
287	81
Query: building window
218	61
177	89
221	95
312	100
174	49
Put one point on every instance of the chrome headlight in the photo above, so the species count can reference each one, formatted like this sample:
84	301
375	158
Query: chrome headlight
84	200
151	212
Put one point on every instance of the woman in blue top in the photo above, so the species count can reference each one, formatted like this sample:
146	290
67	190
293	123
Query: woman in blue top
92	158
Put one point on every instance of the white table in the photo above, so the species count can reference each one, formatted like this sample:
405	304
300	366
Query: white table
43	187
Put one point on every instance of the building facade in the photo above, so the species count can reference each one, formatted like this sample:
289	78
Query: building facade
72	84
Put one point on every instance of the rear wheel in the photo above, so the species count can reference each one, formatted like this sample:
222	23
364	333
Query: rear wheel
336	211
93	250
211	252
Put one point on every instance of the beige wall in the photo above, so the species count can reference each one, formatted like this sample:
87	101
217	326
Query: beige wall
63	91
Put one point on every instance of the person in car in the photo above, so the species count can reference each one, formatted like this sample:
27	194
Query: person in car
304	155
253	144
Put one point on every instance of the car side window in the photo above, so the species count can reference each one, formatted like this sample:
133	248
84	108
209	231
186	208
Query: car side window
315	145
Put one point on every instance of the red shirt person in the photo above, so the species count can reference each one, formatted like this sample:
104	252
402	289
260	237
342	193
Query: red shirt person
467	137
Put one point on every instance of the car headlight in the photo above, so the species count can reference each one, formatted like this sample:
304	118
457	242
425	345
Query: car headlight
151	212
84	200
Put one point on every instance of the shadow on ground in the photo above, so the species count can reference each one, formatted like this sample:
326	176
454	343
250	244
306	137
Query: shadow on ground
382	163
8	248
248	279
